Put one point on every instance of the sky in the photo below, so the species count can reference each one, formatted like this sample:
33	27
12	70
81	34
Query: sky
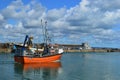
96	22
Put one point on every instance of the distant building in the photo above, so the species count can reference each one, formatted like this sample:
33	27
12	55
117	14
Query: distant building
86	46
76	47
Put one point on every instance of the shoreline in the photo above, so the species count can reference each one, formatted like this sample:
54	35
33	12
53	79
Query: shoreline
94	50
8	48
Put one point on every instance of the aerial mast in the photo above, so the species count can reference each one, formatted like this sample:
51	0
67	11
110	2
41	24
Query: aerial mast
43	31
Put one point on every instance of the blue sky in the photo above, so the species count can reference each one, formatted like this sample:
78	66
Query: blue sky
69	21
49	4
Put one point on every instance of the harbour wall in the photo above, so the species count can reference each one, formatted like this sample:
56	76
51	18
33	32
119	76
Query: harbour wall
5	50
94	50
8	48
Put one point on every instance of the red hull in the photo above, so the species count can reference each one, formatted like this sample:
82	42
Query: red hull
25	59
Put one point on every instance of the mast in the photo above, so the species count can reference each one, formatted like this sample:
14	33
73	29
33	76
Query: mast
45	32
45	38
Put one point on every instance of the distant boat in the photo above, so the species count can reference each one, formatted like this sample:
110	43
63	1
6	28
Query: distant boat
26	53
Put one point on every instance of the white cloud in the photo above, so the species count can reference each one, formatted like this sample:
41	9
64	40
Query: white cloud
112	17
55	14
83	5
1	17
8	26
89	20
1	20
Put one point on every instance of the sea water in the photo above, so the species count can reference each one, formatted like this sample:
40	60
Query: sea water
73	66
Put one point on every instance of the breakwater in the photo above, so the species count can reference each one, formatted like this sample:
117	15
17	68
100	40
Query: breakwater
95	50
8	48
5	50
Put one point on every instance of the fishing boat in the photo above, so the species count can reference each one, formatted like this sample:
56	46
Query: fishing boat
26	53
